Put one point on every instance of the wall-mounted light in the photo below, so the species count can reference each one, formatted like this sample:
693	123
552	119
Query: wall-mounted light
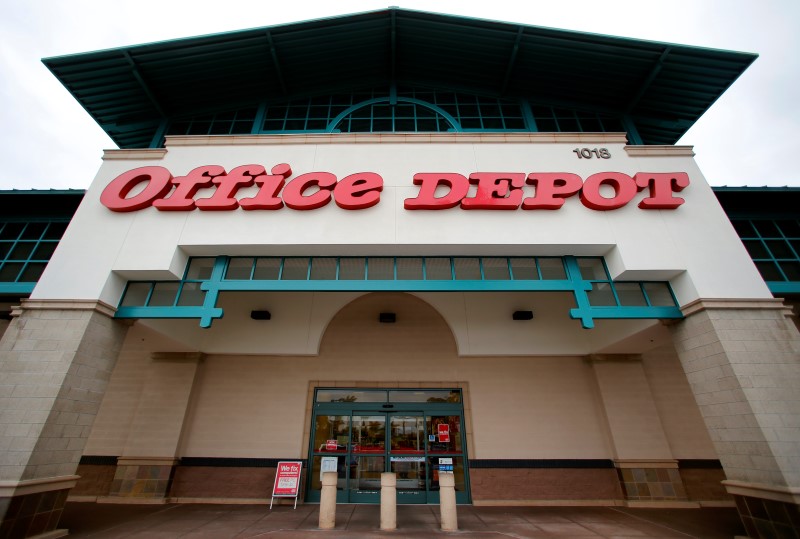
387	318
522	315
260	315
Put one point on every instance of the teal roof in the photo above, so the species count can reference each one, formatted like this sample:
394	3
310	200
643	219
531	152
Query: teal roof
663	88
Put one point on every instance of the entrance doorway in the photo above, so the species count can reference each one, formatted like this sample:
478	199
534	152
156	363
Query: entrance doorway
406	431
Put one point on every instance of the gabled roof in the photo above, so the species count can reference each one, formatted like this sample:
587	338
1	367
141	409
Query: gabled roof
665	88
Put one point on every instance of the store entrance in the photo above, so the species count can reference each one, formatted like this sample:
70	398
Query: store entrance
408	432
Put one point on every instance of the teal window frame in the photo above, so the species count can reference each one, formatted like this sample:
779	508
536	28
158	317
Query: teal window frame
774	246
393	109
438	274
25	252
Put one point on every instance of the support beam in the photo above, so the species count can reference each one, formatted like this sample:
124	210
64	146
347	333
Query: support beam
511	62
274	54
145	88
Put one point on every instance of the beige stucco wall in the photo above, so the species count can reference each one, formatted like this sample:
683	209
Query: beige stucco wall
534	407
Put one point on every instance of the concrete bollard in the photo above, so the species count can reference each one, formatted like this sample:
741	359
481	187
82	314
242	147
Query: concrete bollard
447	501
327	502
388	501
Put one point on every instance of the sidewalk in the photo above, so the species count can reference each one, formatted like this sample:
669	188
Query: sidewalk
209	521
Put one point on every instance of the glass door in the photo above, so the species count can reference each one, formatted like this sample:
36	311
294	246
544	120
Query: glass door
411	440
407	456
367	457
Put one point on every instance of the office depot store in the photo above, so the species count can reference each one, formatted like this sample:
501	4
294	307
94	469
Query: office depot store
558	304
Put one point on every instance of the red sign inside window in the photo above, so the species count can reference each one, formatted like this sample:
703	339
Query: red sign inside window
443	432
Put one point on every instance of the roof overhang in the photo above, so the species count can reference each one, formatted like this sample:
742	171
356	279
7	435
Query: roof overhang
664	88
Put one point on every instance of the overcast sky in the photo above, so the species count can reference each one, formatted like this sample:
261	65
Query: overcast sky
749	137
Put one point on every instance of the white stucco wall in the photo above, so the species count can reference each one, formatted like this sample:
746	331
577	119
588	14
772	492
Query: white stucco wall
693	245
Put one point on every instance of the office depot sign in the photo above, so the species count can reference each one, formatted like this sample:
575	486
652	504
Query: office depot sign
155	186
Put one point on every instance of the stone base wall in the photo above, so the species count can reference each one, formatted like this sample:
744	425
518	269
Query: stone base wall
705	484
96	480
142	481
222	482
519	484
652	484
29	515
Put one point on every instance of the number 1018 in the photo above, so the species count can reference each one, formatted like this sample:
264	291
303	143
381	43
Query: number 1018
588	153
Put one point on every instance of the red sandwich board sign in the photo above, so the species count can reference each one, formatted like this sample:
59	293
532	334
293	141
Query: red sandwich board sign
287	481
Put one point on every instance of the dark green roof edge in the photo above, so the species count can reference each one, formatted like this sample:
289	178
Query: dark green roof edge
130	90
305	22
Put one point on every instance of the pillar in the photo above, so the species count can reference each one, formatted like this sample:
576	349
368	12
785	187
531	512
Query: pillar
146	467
388	501
327	501
647	471
742	360
447	501
56	358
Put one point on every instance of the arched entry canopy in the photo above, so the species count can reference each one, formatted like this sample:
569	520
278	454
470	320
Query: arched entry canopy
587	278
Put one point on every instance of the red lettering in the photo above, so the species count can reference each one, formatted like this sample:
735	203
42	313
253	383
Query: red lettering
227	186
294	193
268	188
551	188
182	198
426	198
661	185
624	191
114	196
358	191
496	191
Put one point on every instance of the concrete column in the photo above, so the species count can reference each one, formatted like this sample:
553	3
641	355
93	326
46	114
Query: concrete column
388	501
146	466
742	360
447	501
56	358
647	471
327	501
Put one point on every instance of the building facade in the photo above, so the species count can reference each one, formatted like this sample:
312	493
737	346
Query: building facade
395	238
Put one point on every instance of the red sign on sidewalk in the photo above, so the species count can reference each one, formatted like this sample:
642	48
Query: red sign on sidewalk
287	481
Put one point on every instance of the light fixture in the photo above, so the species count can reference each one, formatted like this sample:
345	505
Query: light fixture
260	315
387	318
522	315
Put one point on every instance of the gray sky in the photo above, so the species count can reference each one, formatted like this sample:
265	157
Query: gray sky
749	137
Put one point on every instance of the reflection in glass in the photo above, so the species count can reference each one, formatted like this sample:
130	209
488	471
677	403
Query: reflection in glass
407	434
365	472
369	434
331	433
458	471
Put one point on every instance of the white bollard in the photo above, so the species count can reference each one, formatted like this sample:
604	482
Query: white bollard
447	501
388	501
327	502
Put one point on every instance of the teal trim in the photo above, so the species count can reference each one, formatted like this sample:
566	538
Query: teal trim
573	282
777	287
158	137
583	312
16	288
259	121
623	313
633	133
170	312
527	115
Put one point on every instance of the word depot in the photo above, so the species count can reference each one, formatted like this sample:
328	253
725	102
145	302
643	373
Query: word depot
155	186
